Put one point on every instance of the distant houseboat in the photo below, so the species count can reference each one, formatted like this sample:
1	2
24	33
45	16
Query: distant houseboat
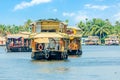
92	40
2	41
112	40
18	43
74	46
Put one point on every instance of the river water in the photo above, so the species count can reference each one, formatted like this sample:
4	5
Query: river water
96	63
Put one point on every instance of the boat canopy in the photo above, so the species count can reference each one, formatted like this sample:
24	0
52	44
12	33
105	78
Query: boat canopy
16	36
49	35
41	40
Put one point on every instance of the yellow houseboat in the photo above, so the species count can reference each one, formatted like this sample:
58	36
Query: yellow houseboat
92	40
74	46
49	46
49	40
112	40
18	42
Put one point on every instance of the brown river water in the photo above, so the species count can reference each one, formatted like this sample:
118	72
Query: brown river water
96	63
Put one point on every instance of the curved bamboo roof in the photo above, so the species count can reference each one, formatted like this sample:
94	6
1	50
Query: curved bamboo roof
49	35
17	36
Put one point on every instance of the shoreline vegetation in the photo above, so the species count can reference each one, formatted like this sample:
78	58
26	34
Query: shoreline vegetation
93	27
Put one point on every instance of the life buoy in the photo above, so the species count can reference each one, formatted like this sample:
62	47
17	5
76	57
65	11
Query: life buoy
40	47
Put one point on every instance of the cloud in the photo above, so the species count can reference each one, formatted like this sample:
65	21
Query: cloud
23	5
68	14
99	7
76	16
117	16
80	18
55	10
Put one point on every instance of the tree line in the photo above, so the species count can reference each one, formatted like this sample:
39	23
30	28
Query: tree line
13	29
93	27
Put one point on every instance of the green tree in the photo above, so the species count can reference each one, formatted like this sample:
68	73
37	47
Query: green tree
27	24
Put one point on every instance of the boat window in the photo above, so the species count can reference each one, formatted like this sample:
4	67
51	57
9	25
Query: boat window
38	28
53	30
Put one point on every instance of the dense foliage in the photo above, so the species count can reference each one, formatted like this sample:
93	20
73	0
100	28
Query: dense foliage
94	27
12	29
99	27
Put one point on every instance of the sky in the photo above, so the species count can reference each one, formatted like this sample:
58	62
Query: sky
19	11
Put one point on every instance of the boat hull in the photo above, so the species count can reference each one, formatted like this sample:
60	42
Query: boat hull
51	55
19	49
75	52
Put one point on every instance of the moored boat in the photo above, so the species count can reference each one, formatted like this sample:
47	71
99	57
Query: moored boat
49	46
74	46
92	40
18	43
112	40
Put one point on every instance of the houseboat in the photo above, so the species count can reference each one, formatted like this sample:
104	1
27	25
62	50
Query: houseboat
112	40
74	46
92	40
18	42
49	40
49	46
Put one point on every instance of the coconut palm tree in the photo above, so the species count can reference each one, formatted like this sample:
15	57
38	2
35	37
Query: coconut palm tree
27	24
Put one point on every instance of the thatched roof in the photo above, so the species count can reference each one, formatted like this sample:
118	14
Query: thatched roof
49	35
95	38
17	36
41	40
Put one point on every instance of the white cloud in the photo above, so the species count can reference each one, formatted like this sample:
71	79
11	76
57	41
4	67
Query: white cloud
76	16
23	5
80	18
117	16
68	14
99	7
55	10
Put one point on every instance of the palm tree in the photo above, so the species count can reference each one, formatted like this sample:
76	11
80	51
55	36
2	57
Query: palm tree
27	24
